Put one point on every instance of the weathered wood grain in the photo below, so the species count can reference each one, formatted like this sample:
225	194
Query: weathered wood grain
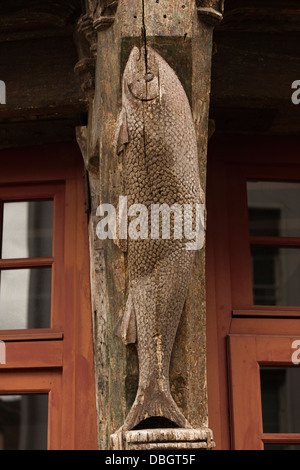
174	30
261	16
164	439
252	76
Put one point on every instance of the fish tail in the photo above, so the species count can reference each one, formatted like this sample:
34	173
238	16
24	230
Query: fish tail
158	405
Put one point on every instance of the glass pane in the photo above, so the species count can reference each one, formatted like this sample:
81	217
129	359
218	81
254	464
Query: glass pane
25	298
264	222
23	422
274	208
280	399
282	447
27	229
276	274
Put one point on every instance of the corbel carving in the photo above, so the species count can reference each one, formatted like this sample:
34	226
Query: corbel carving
98	15
210	11
86	27
85	67
85	38
104	13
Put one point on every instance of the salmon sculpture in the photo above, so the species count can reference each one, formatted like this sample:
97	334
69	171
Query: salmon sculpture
157	139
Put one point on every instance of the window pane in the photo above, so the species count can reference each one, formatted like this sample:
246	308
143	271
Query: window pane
282	447
274	208
276	274
280	399
264	222
25	298
23	422
27	229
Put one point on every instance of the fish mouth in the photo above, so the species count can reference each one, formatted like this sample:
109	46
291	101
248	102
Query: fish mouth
130	86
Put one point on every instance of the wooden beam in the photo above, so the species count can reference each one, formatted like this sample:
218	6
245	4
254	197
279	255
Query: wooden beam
44	99
252	76
37	19
174	30
261	16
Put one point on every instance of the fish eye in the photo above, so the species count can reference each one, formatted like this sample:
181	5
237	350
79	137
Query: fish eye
149	77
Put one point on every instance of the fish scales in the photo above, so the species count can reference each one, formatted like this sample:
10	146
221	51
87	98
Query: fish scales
160	166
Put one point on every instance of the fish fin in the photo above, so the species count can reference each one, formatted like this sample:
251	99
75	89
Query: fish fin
122	243
156	404
126	328
121	135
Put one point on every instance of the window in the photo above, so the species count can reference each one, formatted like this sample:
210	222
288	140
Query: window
47	389
30	254
274	217
24	422
265	382
253	295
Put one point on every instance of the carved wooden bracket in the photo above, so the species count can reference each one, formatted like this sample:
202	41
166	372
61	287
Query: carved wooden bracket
86	27
98	15
86	44
210	11
104	14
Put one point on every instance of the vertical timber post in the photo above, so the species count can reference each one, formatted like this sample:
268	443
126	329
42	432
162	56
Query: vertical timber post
181	32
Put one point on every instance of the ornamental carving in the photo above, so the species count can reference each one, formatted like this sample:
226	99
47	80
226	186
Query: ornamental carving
210	11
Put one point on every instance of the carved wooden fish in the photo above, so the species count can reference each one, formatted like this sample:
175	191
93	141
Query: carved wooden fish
157	138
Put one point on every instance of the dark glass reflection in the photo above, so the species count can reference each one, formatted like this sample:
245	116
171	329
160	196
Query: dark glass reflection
25	298
280	399
23	422
276	274
281	446
264	222
274	208
27	229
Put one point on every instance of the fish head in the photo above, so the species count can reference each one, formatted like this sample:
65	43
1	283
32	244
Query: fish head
141	75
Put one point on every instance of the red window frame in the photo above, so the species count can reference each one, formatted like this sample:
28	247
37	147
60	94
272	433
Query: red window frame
246	355
241	241
231	316
42	191
58	360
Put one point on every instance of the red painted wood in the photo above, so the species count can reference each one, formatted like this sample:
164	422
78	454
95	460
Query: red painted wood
33	354
275	312
30	335
25	263
233	372
38	381
60	359
281	438
247	353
